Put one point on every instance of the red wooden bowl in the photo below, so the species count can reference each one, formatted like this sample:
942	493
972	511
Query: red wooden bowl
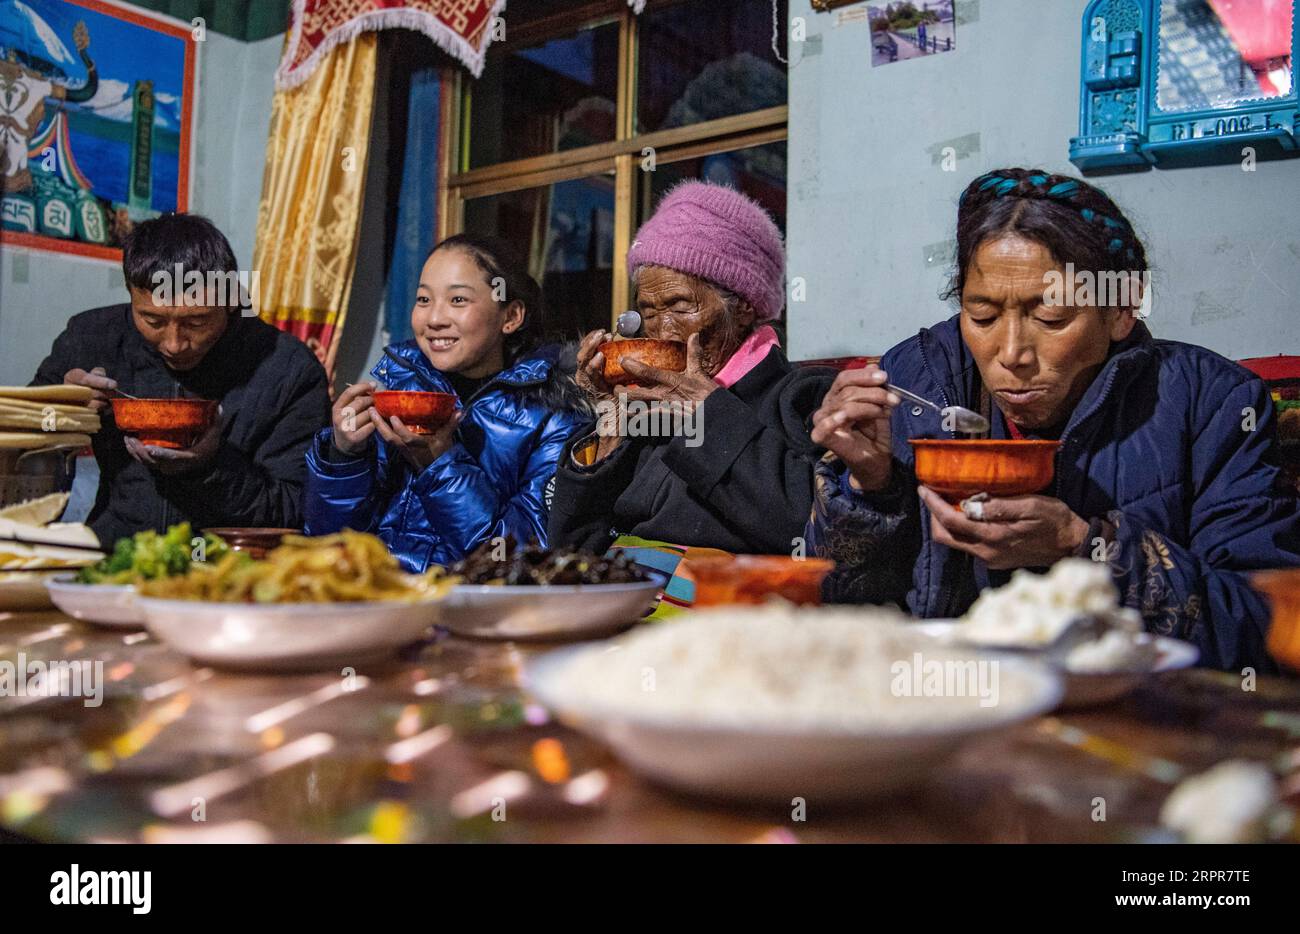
666	355
751	579
1282	588
422	413
164	423
956	469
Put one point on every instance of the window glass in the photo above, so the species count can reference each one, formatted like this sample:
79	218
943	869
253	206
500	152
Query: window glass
566	231
545	98
706	59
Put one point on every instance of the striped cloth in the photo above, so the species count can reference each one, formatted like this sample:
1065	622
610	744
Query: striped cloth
665	558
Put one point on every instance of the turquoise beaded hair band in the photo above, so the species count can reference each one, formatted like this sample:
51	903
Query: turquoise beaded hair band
1061	191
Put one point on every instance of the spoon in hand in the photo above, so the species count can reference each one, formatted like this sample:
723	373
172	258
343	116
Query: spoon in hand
963	420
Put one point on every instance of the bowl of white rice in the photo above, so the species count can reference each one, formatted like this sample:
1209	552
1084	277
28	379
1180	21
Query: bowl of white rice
1032	610
779	702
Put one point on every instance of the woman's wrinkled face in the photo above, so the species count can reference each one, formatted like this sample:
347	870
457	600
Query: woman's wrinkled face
675	305
459	325
1036	358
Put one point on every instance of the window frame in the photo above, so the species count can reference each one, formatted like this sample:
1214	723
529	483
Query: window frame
622	156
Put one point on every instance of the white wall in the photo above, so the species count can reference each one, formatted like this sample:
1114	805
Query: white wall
40	291
872	214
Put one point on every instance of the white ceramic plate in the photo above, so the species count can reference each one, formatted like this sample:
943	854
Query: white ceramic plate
109	605
1089	689
561	611
778	764
287	636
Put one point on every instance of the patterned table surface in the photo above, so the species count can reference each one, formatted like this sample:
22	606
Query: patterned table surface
444	746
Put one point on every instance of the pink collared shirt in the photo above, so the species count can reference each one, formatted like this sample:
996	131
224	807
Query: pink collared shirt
747	356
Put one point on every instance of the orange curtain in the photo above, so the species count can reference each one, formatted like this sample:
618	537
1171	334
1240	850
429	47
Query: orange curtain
312	191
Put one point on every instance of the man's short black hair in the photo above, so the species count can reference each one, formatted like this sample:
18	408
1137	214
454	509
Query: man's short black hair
158	244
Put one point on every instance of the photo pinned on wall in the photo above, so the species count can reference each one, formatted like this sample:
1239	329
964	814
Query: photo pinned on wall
96	104
911	29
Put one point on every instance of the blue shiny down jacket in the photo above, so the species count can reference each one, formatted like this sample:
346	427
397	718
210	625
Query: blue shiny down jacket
494	480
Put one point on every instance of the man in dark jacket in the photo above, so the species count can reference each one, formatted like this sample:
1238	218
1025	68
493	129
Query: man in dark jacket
184	335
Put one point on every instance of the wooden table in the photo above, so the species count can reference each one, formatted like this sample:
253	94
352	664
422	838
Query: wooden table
442	746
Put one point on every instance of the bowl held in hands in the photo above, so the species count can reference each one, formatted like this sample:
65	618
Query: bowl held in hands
665	355
422	413
956	469
164	423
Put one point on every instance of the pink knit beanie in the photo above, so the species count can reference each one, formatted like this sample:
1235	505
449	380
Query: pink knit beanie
719	234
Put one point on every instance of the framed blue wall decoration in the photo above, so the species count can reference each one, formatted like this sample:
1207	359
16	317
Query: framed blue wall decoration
1165	83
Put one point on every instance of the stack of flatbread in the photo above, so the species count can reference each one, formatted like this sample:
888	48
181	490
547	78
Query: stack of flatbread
36	418
33	546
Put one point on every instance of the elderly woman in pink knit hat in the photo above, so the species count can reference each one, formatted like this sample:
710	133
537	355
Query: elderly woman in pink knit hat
709	270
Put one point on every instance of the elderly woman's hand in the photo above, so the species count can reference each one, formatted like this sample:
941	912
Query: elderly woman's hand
694	385
591	367
853	424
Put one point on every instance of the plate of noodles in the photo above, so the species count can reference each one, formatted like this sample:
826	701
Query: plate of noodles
312	604
104	593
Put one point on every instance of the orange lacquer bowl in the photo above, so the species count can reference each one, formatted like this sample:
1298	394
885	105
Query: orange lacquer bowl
164	423
956	469
422	413
1282	588
666	355
753	579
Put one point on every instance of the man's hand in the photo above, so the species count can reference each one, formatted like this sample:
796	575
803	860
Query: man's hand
656	385
97	380
1013	532
353	425
170	461
853	424
419	450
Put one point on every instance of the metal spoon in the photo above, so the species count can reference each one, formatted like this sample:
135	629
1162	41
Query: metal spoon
963	420
1078	631
628	324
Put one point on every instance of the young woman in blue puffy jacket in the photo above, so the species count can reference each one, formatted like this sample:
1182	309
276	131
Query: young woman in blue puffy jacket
478	318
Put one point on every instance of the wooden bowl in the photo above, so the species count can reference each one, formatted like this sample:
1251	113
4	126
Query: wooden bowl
256	542
1282	588
666	355
752	579
164	423
422	413
956	469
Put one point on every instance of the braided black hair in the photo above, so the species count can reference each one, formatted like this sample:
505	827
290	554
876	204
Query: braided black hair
1077	222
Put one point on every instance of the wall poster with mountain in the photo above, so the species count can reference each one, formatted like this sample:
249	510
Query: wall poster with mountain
96	104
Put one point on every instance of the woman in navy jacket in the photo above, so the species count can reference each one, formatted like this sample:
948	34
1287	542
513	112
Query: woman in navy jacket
434	498
1167	465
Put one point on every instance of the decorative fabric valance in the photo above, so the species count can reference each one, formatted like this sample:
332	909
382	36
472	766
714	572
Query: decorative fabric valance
462	28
